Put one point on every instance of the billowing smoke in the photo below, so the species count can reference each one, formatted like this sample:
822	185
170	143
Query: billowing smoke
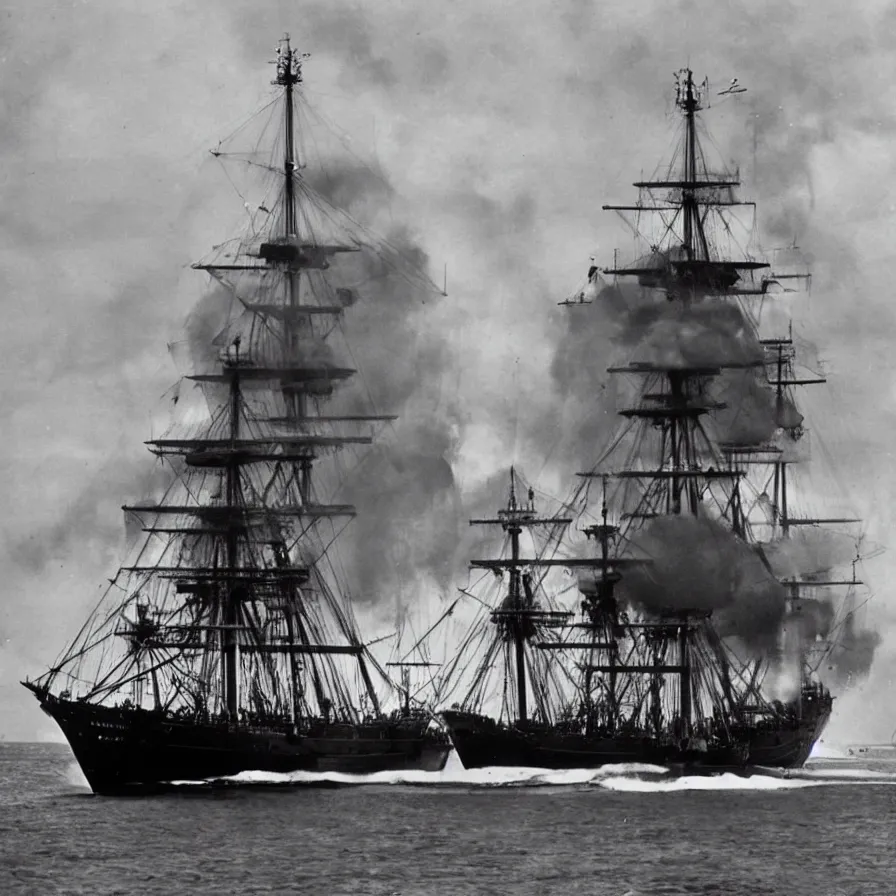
401	546
638	324
587	396
812	619
403	542
696	563
707	333
206	328
809	551
96	511
853	654
628	324
752	412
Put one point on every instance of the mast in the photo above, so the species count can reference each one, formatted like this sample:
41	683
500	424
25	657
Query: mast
232	601
289	74
514	530
602	615
687	270
688	100
519	617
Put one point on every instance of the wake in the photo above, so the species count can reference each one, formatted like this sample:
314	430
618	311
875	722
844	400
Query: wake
627	777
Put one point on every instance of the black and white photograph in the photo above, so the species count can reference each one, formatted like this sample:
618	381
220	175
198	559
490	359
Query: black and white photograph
448	448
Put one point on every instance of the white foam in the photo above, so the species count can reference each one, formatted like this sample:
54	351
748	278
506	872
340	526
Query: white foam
74	775
726	781
631	777
494	776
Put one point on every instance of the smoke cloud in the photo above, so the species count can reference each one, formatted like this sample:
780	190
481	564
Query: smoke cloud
697	563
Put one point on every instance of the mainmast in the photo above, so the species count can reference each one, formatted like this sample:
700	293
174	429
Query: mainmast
289	74
231	652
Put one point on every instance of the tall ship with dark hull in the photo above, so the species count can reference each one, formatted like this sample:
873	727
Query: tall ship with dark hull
705	603
230	644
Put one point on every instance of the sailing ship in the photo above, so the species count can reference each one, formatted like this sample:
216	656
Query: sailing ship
230	643
701	620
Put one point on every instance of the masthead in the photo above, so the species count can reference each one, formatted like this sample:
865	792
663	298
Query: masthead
688	95
289	63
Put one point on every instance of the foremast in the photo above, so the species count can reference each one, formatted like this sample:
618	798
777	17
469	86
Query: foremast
519	617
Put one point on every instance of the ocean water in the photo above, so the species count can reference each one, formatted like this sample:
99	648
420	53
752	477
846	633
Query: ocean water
831	831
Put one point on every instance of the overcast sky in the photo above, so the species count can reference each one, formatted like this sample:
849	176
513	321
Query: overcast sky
502	127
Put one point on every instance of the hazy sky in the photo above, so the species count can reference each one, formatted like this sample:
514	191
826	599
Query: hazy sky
503	127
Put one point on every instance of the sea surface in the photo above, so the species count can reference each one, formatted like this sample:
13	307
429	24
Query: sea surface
613	832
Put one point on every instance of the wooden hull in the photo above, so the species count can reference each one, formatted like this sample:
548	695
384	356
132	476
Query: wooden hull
790	744
482	742
126	750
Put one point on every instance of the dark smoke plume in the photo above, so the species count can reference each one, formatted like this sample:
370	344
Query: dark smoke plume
628	324
698	563
708	333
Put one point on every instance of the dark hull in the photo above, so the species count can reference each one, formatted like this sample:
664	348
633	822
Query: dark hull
788	745
125	750
482	742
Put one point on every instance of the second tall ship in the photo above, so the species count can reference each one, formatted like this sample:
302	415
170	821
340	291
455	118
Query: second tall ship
230	643
701	617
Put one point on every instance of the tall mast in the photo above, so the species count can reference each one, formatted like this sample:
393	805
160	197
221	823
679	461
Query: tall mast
688	103
688	99
234	594
515	530
289	74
